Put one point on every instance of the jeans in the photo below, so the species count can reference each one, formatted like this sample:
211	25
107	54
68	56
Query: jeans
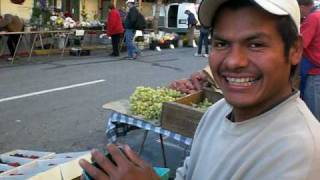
305	66
132	49
312	94
203	39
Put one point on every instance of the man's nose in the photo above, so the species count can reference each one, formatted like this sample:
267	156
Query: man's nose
236	57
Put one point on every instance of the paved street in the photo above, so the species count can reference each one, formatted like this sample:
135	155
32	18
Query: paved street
55	104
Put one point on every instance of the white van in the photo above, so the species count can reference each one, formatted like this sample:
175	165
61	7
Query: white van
175	19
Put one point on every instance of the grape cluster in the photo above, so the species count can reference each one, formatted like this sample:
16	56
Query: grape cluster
203	105
147	101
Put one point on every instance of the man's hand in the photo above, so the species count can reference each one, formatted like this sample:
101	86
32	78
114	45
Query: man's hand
129	166
188	86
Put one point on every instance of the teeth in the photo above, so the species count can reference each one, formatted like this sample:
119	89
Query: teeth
240	81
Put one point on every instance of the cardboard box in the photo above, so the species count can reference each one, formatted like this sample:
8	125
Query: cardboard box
72	169
180	117
64	166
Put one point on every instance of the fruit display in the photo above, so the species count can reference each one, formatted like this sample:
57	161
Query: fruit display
147	101
203	105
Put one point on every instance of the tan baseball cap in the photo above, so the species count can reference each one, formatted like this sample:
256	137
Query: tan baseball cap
208	8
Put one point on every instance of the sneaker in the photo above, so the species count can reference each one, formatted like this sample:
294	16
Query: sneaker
197	55
10	59
205	55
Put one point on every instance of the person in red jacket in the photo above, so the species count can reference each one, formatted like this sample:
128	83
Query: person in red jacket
114	29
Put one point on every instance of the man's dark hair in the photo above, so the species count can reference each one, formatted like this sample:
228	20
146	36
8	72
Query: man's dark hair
305	2
285	25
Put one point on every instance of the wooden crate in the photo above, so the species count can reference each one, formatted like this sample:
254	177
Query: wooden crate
180	117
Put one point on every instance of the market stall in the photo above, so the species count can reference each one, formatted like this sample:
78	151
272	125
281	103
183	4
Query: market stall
160	110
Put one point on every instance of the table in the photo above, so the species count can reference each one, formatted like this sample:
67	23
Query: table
37	35
53	34
116	119
21	35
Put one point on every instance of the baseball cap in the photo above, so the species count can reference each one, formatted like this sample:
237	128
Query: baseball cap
208	9
130	1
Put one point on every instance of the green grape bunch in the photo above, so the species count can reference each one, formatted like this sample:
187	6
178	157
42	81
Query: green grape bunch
203	105
147	101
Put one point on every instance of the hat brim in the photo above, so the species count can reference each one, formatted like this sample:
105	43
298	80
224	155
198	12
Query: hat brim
271	8
208	8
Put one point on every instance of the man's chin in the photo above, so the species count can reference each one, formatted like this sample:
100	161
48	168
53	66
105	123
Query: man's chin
238	102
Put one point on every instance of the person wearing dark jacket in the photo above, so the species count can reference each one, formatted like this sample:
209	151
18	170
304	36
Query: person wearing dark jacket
130	23
114	29
192	22
11	23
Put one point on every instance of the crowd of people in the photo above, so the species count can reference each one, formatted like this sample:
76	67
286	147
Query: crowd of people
122	26
261	129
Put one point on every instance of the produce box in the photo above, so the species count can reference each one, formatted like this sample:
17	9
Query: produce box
5	167
180	117
35	165
27	154
36	170
13	161
71	169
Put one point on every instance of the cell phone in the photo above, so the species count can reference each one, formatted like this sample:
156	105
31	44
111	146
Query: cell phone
95	164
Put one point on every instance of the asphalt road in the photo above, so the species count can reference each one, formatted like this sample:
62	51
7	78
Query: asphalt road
55	104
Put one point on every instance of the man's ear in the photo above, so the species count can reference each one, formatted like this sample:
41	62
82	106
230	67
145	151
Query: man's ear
295	53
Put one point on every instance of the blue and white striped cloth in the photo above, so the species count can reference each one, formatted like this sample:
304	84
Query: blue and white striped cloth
122	118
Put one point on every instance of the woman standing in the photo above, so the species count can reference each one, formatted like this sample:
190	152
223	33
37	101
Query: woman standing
114	29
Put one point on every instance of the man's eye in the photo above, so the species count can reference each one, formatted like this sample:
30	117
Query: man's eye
219	44
256	45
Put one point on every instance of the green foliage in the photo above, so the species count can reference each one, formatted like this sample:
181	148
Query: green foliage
40	17
147	101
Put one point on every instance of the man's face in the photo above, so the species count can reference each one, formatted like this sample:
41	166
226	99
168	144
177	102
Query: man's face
129	5
248	62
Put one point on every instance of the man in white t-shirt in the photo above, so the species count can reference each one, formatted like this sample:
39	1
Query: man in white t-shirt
261	129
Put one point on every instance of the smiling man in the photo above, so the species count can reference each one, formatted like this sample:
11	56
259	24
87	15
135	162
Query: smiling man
261	129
